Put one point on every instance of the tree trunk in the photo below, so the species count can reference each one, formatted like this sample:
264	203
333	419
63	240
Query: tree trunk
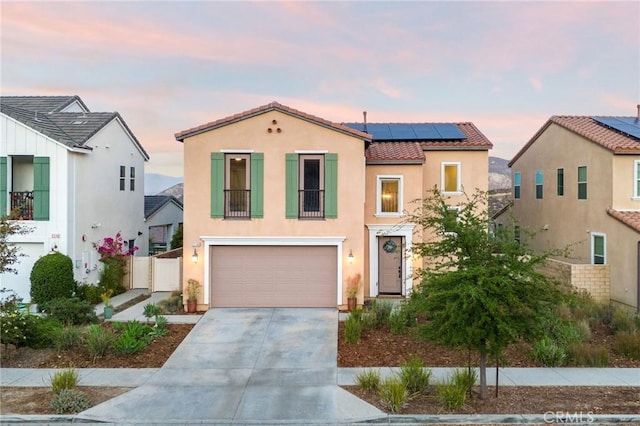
483	375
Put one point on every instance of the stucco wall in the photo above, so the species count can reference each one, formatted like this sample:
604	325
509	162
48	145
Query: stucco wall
623	182
296	134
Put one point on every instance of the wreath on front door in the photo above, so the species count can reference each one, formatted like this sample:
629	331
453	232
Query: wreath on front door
390	246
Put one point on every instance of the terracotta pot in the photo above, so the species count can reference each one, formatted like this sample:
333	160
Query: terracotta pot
352	302
192	306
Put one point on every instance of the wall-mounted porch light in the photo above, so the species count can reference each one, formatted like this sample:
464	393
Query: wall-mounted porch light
350	257
194	256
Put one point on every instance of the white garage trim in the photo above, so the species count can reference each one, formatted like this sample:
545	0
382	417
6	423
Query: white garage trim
270	241
405	231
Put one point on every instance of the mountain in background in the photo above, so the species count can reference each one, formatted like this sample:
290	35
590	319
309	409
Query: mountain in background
499	174
155	183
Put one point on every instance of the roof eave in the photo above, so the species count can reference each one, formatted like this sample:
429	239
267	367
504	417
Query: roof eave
391	162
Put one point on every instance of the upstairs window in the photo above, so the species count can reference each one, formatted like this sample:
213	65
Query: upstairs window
516	185
560	182
636	179
582	183
123	177
237	187
389	196
539	184
451	220
450	178
311	186
132	179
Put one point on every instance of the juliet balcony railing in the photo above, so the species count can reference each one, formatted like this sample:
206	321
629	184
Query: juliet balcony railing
23	203
237	203
311	203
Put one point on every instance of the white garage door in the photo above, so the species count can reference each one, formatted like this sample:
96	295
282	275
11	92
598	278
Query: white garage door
273	276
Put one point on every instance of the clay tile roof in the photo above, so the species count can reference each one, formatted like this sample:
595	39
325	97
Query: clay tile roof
587	127
475	140
629	218
394	153
273	106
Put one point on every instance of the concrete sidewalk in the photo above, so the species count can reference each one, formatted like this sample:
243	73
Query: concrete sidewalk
136	312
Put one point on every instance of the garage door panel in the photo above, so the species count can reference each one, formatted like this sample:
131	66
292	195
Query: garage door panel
273	276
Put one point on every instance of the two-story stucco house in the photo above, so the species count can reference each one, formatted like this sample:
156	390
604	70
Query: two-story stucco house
75	177
577	184
281	206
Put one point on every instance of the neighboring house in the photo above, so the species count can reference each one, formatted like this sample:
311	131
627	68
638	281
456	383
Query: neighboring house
163	215
281	207
577	184
74	176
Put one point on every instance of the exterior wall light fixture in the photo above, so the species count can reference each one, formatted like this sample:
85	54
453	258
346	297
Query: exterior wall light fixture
350	257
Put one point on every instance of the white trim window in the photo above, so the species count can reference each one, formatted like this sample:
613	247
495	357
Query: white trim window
598	248
452	217
389	195
636	179
450	178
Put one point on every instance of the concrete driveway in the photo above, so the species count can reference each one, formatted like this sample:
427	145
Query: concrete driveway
246	365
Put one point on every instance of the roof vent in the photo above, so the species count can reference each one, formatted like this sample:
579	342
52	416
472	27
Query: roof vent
638	117
364	114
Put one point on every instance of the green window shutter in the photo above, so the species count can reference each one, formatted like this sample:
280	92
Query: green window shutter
291	186
41	188
217	185
3	186
331	186
257	184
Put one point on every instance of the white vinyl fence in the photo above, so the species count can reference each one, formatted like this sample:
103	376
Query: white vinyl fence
155	274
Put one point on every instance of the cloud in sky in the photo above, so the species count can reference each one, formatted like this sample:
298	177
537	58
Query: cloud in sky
167	66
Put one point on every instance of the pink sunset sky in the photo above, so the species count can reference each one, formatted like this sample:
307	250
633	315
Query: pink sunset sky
168	66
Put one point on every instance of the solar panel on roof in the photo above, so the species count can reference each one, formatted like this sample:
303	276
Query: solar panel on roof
630	126
379	131
449	131
426	131
402	132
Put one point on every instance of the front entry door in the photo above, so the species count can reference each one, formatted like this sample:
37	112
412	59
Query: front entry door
390	271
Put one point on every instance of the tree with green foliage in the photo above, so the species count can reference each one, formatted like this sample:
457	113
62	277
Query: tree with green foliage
176	239
51	278
9	252
480	290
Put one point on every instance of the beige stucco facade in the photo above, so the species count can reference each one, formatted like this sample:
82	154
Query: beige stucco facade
277	132
565	221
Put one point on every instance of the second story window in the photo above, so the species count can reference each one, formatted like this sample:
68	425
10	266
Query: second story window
123	177
389	196
582	183
237	187
132	179
560	182
516	185
539	184
450	178
311	185
636	179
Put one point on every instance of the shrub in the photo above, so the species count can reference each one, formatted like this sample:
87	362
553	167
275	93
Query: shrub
173	304
151	310
51	278
65	379
112	275
402	317
382	310
353	327
70	401
89	293
393	394
69	337
368	379
548	353
414	376
9	300
99	341
627	344
160	327
14	329
451	394
588	355
622	320
128	344
465	378
41	331
72	311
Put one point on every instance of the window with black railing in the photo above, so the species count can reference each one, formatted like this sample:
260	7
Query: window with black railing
311	203
237	203
23	203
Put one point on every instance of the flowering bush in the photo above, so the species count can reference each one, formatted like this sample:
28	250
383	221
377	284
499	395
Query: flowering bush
106	297
113	248
14	327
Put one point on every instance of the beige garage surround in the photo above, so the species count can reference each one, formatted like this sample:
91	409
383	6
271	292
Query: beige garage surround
273	272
